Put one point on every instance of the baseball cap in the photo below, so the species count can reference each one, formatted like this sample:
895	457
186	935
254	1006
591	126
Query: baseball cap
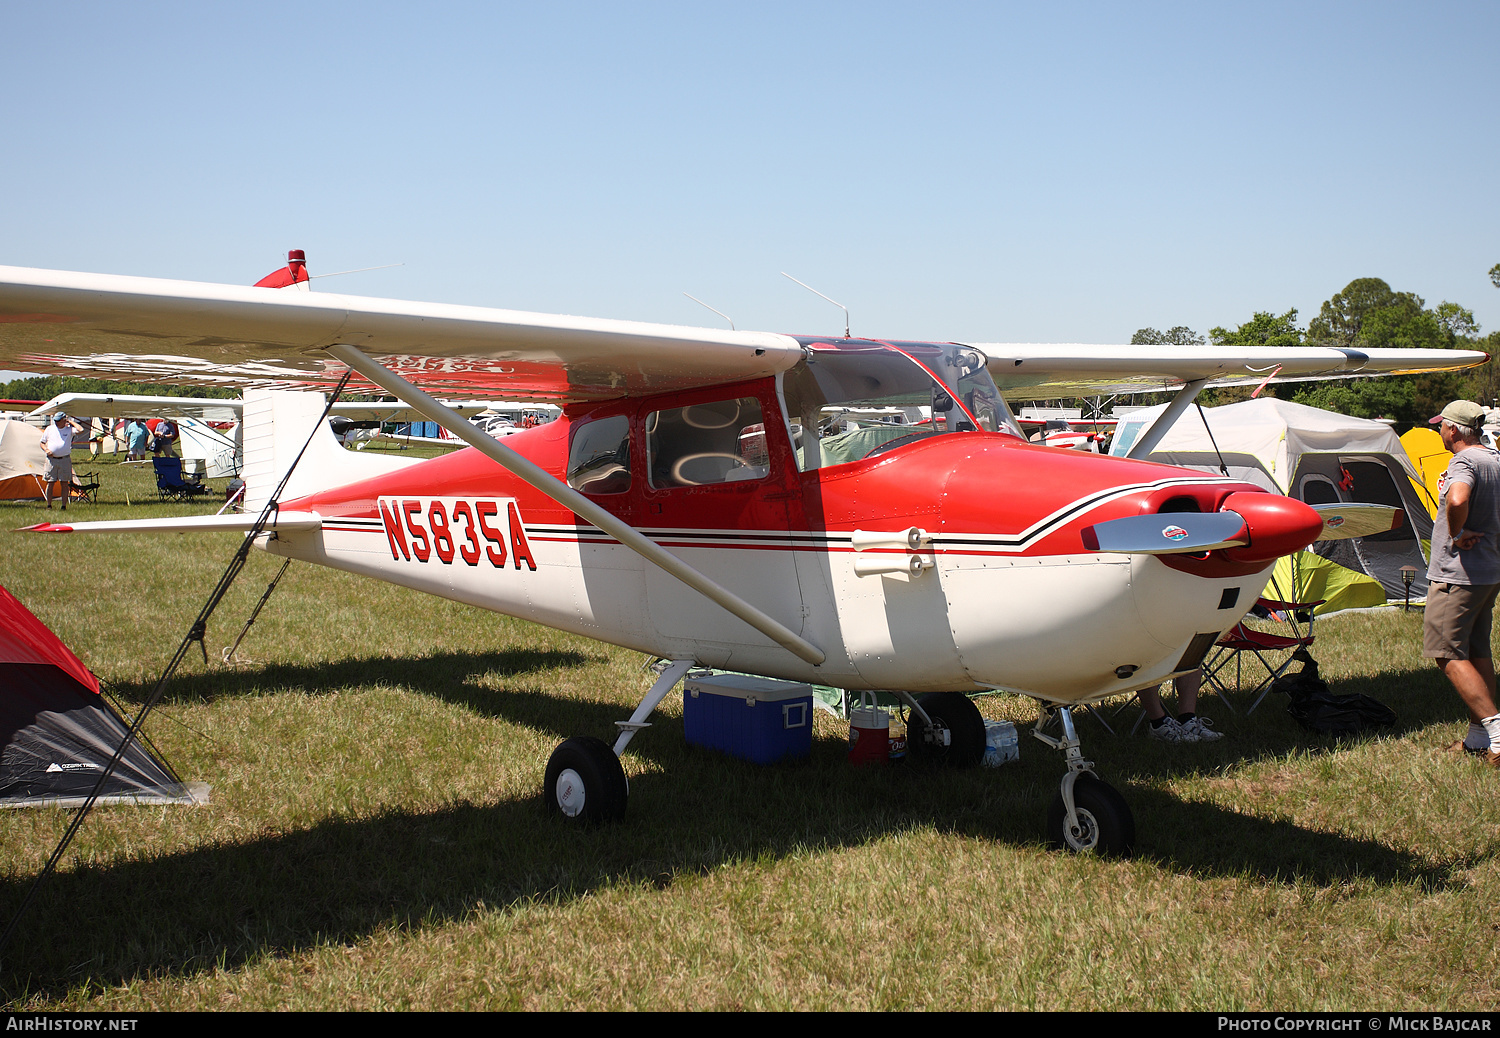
59	417
1461	412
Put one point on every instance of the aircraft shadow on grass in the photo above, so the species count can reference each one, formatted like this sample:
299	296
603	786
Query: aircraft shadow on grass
446	675
344	878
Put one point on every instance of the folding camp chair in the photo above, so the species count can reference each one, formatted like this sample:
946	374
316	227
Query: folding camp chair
170	481
85	485
1274	653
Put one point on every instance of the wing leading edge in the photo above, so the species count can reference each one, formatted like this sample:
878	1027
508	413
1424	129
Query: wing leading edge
62	322
105	405
1071	369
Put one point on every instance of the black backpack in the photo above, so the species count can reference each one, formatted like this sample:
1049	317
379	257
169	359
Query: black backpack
1318	709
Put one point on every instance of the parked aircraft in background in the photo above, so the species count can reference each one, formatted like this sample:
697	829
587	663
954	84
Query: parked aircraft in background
1074	434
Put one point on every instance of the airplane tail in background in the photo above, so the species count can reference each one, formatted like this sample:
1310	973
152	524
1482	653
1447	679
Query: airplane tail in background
294	275
276	424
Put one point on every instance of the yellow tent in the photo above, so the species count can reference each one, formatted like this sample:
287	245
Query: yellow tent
1430	458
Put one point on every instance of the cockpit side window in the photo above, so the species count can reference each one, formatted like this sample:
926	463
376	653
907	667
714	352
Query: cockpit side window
599	459
719	441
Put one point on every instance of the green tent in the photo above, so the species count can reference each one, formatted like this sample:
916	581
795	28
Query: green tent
1306	577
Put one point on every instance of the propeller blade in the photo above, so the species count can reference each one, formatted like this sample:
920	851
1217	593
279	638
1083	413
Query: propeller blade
1169	533
1343	521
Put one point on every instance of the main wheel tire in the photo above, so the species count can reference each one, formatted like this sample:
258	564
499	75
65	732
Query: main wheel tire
957	714
1106	824
585	782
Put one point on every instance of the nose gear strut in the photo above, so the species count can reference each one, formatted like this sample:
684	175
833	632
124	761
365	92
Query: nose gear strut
1087	814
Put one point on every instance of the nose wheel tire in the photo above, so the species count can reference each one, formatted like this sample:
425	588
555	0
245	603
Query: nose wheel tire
584	782
1105	824
956	715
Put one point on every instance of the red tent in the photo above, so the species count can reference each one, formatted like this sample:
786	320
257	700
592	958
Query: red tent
57	733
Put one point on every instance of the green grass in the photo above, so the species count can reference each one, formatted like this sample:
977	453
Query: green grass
376	840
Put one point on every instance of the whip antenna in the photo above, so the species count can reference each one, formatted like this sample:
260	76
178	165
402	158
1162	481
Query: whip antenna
835	302
721	313
360	270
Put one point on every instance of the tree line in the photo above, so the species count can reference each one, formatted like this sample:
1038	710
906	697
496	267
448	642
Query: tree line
1367	314
45	387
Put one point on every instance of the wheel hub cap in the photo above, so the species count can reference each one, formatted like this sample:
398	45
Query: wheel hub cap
570	793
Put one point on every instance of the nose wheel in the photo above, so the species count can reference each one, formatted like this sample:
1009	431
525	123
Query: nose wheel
1102	822
1088	815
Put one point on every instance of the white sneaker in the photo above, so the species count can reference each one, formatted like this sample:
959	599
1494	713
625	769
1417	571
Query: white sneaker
1169	731
1201	730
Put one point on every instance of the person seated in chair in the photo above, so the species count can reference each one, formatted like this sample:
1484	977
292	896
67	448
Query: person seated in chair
1187	726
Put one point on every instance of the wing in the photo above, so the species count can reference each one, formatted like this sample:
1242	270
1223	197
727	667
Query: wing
60	322
1069	369
183	331
208	409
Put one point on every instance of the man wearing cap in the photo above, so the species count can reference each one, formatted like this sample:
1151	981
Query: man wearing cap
57	442
1465	575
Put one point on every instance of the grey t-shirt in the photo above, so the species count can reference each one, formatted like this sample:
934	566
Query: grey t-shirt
1479	467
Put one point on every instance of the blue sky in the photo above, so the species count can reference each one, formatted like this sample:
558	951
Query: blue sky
991	172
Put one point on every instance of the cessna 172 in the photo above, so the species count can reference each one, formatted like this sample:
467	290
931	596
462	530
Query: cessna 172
938	555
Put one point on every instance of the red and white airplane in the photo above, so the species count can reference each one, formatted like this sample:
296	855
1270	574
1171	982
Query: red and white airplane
1073	433
705	499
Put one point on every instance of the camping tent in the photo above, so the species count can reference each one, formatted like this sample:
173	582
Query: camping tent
1430	458
22	462
1315	456
57	733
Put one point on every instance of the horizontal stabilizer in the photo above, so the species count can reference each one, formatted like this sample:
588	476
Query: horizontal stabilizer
1170	533
1343	521
241	522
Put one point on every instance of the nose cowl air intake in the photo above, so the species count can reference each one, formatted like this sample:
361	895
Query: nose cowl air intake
1278	526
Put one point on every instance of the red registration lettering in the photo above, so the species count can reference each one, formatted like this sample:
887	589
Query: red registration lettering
391	517
419	544
492	535
447	528
442	540
469	552
520	547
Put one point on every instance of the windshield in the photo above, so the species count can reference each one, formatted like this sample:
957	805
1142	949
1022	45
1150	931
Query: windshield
856	399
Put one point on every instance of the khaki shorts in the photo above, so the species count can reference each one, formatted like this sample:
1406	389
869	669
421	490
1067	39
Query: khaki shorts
1457	625
58	470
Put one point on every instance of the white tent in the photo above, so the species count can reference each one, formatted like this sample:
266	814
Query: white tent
22	462
1315	456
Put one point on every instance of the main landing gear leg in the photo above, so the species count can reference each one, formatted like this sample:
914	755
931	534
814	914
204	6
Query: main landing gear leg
584	780
945	727
1087	814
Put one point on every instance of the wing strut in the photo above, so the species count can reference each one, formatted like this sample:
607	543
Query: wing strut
1152	436
566	496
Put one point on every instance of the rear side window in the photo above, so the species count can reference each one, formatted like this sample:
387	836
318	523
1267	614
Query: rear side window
721	441
599	460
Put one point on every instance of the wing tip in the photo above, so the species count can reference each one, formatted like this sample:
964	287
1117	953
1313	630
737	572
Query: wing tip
46	528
